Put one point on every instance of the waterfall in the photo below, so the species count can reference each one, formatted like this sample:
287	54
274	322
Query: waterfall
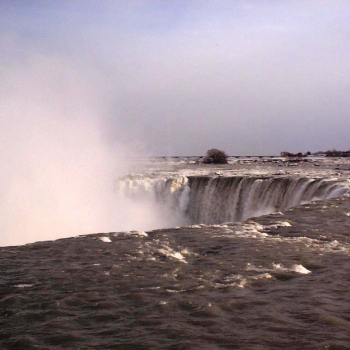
212	200
224	199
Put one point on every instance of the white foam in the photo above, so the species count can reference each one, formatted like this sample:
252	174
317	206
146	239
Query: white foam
105	239
262	276
284	224
279	267
220	225
300	269
24	285
253	227
167	251
333	244
278	224
186	252
331	179
295	268
242	283
136	233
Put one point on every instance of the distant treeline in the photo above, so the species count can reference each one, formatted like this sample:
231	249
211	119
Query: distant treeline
295	155
335	153
329	153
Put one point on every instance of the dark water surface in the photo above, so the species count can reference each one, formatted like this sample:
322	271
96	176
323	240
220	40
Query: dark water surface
274	282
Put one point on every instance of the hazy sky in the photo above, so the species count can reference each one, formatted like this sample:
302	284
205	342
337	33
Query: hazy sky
179	77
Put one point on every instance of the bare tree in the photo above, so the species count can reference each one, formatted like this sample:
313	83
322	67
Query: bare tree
215	156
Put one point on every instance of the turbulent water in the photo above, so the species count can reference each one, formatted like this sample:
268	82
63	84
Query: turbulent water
276	281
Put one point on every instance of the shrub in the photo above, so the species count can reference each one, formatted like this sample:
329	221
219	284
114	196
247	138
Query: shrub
215	156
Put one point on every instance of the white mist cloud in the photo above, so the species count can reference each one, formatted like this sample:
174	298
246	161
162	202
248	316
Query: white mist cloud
58	165
55	167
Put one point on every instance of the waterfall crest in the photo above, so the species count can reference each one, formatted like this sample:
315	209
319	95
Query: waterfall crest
212	200
223	199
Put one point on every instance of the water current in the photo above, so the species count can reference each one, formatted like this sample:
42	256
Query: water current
230	280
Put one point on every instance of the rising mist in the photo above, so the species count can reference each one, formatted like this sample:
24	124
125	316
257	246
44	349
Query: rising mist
58	162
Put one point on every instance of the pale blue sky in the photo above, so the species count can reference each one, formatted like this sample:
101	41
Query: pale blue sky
180	77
